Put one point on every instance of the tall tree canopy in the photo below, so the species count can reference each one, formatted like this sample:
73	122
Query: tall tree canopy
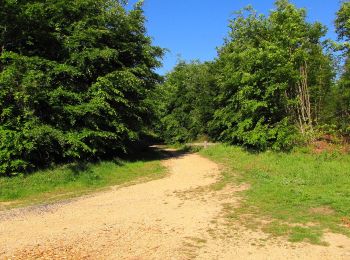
74	76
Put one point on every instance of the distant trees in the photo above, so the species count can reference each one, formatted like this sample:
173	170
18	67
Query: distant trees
185	102
74	77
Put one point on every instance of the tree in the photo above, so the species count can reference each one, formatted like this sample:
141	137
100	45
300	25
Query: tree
268	77
74	77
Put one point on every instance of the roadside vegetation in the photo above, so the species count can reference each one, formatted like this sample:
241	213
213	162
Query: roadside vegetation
300	194
76	179
78	82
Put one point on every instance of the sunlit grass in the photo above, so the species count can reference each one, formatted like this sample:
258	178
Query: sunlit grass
302	195
75	179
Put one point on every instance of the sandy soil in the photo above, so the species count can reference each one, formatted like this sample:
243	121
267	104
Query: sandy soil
178	217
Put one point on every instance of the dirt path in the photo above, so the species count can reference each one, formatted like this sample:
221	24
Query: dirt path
178	217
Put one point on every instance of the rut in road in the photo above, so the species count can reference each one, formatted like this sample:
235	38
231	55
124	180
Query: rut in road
177	217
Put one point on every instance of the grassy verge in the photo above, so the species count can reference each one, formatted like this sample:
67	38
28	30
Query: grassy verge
299	194
76	179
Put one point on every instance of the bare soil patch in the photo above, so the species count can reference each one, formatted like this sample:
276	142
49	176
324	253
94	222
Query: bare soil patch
322	210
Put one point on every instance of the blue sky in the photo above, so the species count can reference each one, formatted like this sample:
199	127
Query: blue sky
192	29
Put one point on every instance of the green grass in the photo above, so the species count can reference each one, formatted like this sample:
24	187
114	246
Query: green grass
75	179
302	195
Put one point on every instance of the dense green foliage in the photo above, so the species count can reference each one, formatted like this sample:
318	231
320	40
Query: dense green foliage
74	79
342	93
297	188
262	66
185	102
78	82
270	84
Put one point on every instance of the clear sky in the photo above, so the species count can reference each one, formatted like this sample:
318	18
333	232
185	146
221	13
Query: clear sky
192	29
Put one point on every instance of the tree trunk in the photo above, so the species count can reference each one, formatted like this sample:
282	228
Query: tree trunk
304	106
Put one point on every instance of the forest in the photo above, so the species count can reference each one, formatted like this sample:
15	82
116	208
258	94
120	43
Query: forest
78	82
